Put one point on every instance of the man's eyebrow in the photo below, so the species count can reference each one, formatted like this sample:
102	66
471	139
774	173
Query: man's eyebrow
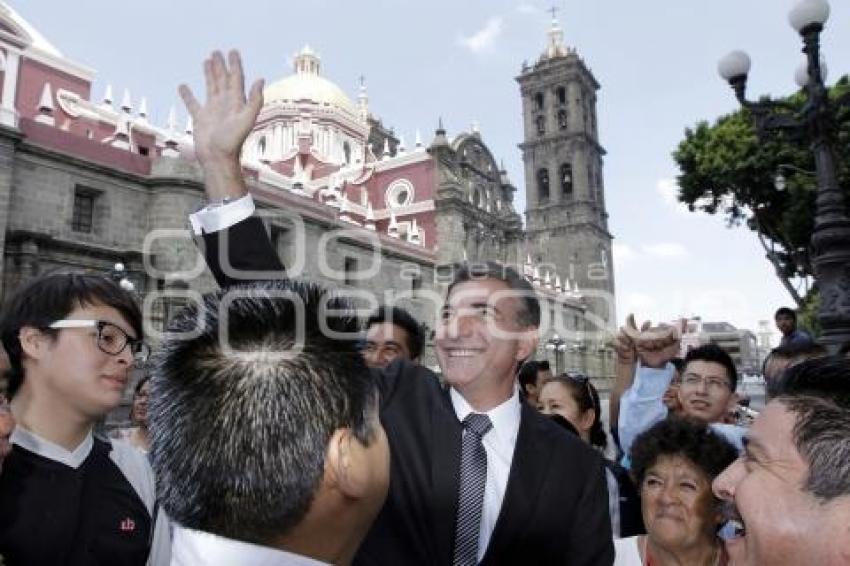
485	305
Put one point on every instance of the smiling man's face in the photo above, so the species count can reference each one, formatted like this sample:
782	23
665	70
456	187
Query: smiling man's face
480	338
774	519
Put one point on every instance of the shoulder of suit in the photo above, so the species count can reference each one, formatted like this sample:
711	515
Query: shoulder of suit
560	440
410	375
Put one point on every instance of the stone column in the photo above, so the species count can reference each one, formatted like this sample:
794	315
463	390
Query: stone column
8	114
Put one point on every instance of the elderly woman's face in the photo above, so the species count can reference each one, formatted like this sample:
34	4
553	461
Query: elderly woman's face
677	503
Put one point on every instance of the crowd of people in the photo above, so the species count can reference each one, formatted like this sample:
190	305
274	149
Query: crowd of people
274	428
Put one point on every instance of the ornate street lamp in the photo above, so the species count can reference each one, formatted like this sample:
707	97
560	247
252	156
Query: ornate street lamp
558	346
815	122
118	273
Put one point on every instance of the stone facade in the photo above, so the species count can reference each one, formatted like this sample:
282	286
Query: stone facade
85	184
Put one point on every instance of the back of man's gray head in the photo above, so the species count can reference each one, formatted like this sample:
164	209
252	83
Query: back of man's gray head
242	412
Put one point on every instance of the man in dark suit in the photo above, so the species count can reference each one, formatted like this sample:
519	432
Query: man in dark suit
476	475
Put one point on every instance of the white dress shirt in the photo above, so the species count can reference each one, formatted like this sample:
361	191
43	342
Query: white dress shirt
197	548
499	443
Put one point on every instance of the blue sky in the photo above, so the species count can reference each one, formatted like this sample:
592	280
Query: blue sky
656	62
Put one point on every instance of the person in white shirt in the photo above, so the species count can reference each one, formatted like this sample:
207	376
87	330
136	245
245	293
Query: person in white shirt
265	433
706	391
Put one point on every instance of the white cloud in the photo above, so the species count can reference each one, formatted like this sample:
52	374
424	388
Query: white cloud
485	38
524	8
623	253
668	190
665	250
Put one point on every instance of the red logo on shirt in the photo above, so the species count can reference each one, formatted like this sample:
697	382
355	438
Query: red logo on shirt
128	525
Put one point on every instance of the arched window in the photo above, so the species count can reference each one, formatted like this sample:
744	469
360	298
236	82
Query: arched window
346	150
542	185
566	175
261	147
538	101
562	119
541	125
562	95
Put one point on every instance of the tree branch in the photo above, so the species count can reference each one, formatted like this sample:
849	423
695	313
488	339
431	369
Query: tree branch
771	256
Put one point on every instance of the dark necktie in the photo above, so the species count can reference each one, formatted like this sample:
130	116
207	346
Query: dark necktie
473	477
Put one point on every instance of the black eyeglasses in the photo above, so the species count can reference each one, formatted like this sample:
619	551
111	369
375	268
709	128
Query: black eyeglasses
111	338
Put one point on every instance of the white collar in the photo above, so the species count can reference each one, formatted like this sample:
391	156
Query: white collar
505	417
198	548
29	440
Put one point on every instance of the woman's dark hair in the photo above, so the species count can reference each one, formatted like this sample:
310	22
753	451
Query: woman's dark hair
586	397
140	384
527	374
688	438
53	297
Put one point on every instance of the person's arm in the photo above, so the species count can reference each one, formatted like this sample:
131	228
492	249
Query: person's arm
626	361
240	249
237	247
221	125
641	406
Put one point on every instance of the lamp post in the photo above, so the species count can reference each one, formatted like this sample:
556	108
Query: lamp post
558	346
830	240
118	273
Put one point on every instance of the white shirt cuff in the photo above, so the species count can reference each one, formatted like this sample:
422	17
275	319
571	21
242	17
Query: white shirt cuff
218	218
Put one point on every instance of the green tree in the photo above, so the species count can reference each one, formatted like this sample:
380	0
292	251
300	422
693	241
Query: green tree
725	168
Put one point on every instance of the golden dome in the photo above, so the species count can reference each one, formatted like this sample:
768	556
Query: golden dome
307	85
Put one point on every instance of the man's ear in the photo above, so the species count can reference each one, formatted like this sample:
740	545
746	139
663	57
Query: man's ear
344	464
527	343
33	342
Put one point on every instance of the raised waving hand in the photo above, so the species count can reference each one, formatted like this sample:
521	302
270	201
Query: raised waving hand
222	123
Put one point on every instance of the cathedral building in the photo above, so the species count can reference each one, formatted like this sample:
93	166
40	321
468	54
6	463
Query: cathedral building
89	182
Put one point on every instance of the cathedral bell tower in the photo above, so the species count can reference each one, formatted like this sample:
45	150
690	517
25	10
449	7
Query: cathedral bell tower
566	220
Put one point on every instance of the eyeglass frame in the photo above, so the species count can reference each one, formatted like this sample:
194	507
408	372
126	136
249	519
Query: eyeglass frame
137	345
711	383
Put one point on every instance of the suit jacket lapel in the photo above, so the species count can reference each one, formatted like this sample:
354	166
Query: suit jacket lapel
528	469
445	474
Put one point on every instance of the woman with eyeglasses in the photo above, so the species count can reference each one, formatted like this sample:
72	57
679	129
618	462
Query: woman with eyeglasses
138	435
674	463
572	396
